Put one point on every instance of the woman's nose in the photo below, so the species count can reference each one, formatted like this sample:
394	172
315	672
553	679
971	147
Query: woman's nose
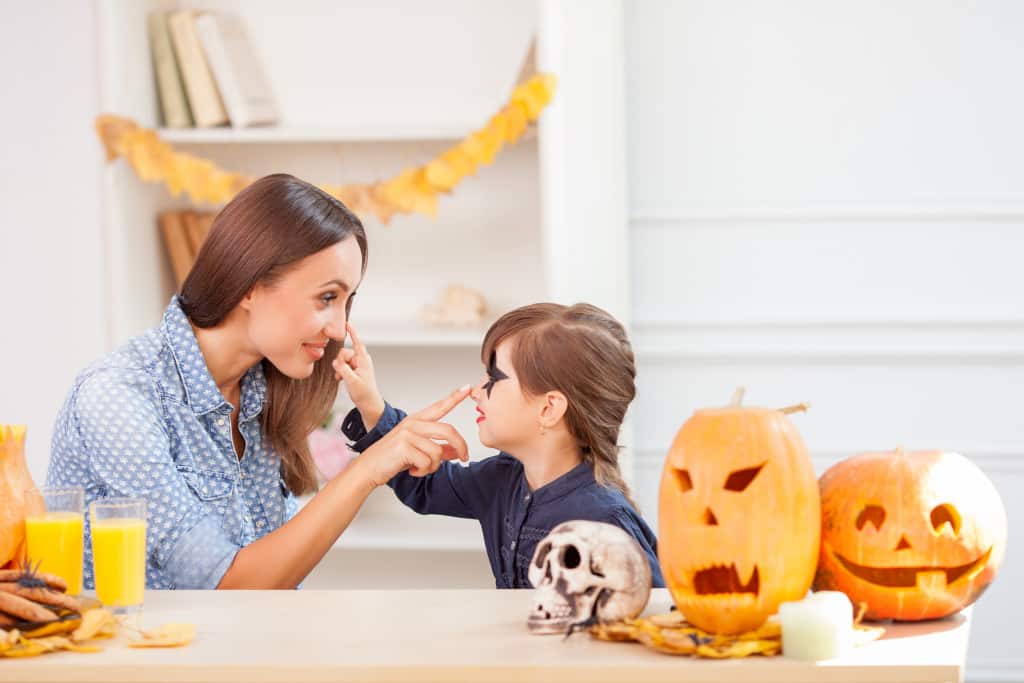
335	329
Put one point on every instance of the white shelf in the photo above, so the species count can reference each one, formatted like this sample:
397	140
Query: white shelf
300	134
386	333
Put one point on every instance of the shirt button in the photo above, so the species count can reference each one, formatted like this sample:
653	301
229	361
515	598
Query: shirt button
512	545
205	490
526	498
260	524
220	422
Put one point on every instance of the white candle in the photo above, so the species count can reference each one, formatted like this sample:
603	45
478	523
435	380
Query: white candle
818	627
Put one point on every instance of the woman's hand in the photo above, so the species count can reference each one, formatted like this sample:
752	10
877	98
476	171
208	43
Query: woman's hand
354	367
413	444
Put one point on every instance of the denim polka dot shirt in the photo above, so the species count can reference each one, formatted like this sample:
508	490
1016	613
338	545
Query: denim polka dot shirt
148	421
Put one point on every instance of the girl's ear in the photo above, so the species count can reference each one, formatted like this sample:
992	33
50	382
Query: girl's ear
552	409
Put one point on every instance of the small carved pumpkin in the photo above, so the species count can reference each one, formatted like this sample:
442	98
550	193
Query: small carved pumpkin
16	494
915	535
738	516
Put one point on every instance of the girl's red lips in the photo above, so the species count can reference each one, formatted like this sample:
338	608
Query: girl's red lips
482	417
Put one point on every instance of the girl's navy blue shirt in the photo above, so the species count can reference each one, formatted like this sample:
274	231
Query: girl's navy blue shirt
513	519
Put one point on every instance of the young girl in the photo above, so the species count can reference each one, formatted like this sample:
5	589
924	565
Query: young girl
558	382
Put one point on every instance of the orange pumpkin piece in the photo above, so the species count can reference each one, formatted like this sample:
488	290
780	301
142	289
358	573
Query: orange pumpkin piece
914	535
738	517
16	499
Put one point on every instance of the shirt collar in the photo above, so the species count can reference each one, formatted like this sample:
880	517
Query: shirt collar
201	392
254	391
577	477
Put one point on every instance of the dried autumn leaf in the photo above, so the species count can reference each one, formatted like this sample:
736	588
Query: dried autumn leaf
94	622
670	620
8	639
769	630
52	643
168	635
616	632
461	161
25	648
514	116
442	175
740	648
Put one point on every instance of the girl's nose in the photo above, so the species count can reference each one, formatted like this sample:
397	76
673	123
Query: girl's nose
476	393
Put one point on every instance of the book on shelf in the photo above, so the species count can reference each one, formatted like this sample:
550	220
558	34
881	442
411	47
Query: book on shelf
183	234
203	95
174	108
207	72
236	69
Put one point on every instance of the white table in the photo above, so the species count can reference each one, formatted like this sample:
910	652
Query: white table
449	635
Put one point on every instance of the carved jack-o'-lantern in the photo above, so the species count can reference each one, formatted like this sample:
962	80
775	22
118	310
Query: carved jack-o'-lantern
738	517
915	535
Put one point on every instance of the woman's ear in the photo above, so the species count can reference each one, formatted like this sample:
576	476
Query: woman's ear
247	300
553	409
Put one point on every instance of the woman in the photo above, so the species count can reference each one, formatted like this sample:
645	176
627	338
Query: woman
206	416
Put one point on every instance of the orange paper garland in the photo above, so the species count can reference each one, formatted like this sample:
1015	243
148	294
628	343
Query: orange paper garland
414	190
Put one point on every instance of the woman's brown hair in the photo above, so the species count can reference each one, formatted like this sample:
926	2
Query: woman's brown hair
583	352
260	234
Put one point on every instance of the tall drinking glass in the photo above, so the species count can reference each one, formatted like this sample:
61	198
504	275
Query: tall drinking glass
54	538
118	527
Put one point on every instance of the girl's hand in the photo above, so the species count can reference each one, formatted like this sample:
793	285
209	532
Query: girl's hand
413	443
354	367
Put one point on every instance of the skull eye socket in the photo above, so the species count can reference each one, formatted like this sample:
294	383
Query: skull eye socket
945	514
542	554
570	558
871	513
740	479
683	479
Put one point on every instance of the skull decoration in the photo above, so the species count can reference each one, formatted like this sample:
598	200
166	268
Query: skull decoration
585	571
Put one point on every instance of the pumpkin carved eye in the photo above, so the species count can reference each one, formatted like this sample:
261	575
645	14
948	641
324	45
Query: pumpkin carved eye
740	479
683	479
871	513
945	514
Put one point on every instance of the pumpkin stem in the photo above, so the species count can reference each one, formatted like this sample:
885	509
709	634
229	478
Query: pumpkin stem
798	408
737	397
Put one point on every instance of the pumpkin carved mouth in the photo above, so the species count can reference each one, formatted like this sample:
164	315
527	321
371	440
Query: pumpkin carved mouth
908	577
721	578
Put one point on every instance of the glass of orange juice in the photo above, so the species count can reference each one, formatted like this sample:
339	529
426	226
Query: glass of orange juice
54	538
118	527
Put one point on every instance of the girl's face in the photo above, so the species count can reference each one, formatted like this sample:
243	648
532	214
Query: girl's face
291	321
506	418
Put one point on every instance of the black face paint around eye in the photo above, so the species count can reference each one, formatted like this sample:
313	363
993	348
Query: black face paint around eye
493	375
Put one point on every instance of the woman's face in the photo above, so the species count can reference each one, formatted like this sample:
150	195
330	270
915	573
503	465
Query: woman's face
507	419
291	321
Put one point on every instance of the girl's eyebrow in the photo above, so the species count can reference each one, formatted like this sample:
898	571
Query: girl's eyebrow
493	374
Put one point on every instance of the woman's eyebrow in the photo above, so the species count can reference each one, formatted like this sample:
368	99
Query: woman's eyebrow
344	286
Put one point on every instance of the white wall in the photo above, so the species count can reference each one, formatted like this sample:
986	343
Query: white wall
827	204
51	299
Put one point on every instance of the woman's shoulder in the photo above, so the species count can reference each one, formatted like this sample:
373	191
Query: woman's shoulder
134	368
